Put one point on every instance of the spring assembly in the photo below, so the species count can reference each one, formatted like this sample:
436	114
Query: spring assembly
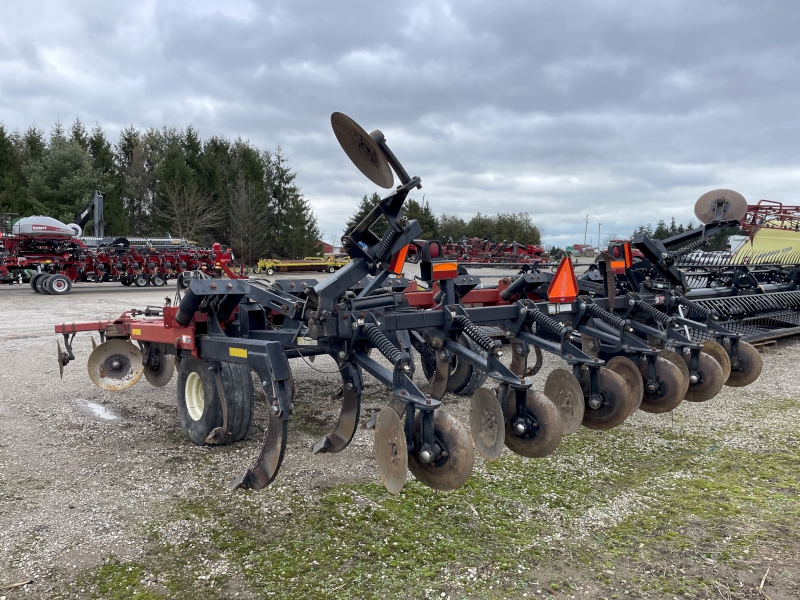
386	245
605	316
516	286
652	312
548	323
693	307
438	297
382	343
696	245
475	333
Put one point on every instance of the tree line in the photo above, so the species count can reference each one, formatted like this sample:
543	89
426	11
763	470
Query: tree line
161	181
510	227
663	231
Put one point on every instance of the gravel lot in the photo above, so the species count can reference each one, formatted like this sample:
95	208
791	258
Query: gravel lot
87	474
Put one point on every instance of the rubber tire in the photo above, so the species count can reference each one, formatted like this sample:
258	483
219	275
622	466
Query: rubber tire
40	284
126	282
239	392
58	280
159	280
270	271
331	269
141	280
33	281
256	270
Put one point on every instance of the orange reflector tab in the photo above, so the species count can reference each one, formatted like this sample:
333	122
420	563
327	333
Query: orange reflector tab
628	255
398	260
445	270
618	264
564	287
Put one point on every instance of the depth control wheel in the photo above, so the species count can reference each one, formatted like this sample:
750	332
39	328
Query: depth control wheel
199	403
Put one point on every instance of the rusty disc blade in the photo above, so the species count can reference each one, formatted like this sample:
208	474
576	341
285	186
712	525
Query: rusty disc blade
454	466
627	369
710	382
115	365
362	150
677	360
720	355
670	387
391	455
544	437
564	391
161	375
60	360
616	401
749	369
735	206
486	424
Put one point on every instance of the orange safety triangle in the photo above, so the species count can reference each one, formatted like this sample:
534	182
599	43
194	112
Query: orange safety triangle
564	287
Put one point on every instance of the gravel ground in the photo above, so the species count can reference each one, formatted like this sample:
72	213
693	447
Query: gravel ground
84	473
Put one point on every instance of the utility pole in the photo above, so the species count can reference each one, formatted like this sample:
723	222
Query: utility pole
598	238
585	229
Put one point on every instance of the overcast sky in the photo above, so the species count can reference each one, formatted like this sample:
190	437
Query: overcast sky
625	111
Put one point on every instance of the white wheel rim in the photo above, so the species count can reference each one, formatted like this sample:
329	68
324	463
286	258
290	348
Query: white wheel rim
59	285
195	400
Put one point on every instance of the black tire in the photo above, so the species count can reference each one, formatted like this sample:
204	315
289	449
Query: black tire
331	269
198	421
270	271
125	281
464	379
159	280
33	281
141	280
58	285
40	284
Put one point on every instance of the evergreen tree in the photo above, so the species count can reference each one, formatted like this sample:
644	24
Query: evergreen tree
451	227
365	206
77	133
110	181
12	181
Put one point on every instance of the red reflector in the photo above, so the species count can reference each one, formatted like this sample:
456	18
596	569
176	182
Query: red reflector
398	260
564	287
434	251
628	254
445	270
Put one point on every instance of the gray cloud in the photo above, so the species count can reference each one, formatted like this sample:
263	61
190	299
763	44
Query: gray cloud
627	111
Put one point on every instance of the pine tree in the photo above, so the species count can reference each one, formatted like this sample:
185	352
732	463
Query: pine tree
111	183
365	206
12	181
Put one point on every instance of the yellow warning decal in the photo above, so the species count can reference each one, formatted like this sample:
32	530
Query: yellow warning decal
136	332
240	352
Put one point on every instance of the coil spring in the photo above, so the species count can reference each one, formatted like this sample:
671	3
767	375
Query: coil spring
652	312
696	245
438	297
386	245
475	333
694	308
605	316
548	323
382	343
516	286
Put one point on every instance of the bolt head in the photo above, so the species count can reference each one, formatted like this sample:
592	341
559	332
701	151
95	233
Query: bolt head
594	402
355	325
519	428
342	354
583	305
350	386
406	369
508	333
275	409
651	387
693	379
631	302
499	354
425	456
522	310
443	355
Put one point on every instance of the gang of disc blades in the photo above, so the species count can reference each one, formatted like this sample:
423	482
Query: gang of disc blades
486	424
564	391
362	150
162	375
735	206
627	369
115	365
391	453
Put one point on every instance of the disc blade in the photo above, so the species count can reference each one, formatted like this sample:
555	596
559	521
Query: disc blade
60	360
749	368
677	360
720	355
735	206
162	375
486	424
670	387
115	365
391	455
452	470
94	343
362	150
711	379
625	368
616	401
564	391
543	439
